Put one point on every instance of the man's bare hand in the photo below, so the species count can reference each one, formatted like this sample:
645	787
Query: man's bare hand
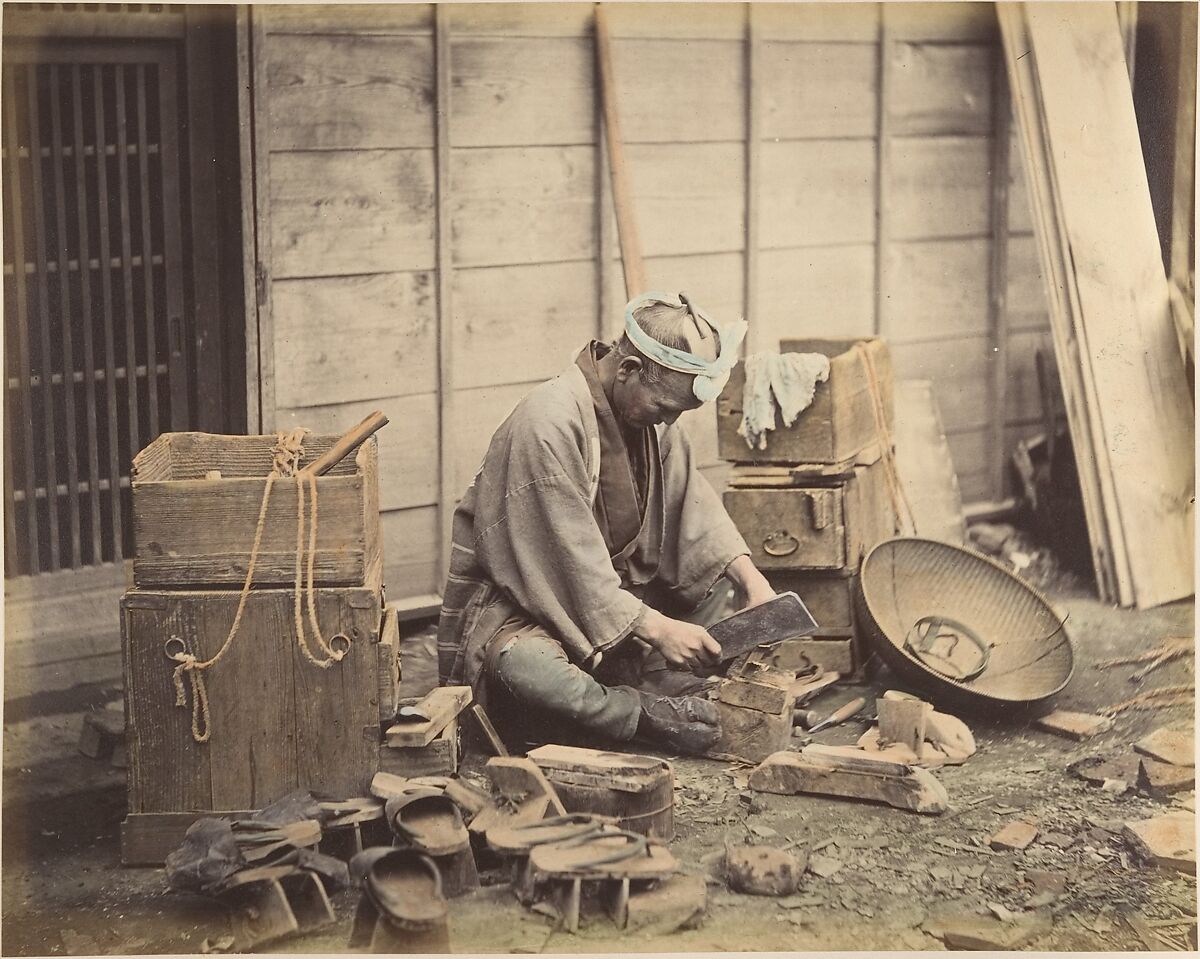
683	645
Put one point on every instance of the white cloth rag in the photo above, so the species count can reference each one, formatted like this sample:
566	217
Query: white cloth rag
785	381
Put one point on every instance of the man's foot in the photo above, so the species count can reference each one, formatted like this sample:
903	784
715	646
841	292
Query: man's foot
685	723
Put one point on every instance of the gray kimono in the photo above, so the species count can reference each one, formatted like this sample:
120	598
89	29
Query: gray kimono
533	535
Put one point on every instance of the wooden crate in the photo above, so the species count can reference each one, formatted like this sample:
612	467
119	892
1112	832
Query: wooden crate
828	526
193	532
278	722
837	425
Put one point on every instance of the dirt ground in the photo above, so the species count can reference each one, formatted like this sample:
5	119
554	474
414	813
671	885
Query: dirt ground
888	873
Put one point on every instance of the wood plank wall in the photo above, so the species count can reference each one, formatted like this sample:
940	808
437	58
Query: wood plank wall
346	136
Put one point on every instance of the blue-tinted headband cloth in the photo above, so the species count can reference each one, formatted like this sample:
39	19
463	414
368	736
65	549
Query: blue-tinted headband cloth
710	378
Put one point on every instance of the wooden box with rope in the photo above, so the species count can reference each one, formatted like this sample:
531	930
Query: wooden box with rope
197	498
236	697
839	423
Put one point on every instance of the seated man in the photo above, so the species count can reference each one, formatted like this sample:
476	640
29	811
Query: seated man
585	521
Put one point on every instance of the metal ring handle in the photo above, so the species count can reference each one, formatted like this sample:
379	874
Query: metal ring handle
167	647
789	543
333	640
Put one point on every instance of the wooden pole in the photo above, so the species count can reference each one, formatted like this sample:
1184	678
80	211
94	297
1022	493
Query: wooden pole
347	443
882	154
627	232
445	268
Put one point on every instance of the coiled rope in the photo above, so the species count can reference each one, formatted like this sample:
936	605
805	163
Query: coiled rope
285	457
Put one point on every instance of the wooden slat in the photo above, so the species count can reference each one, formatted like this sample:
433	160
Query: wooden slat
126	228
690	197
675	92
148	309
493	339
262	190
180	332
936	288
410	550
1020	218
15	193
328	343
447	422
821	192
210	334
821	22
490	405
817	90
1026	294
754	122
47	358
691	21
883	164
407	447
938	187
343	92
1089	112
110	361
940	22
711	21
714	280
249	219
349	212
941	89
355	19
959	369
523	92
1108	563
65	313
817	291
522	205
82	205
998	279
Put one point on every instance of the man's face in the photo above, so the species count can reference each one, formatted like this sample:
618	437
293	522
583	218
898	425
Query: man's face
640	405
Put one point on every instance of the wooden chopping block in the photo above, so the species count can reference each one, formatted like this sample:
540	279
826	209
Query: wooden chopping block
750	734
825	772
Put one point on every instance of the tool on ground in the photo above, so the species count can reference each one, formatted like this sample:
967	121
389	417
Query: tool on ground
806	718
839	716
781	617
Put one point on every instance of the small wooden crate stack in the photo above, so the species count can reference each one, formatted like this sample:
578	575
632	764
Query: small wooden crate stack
815	501
277	721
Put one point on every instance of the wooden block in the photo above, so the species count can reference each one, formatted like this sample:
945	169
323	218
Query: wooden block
389	665
930	756
148	838
1077	726
387	785
591	767
764	697
100	733
488	731
1162	779
789	774
439	757
1174	746
669	906
1015	835
1168	840
751	735
417	724
987	932
518	778
467	797
903	721
851	757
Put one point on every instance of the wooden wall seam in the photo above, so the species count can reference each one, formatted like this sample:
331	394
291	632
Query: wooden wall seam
263	278
998	279
755	339
882	153
445	267
248	206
